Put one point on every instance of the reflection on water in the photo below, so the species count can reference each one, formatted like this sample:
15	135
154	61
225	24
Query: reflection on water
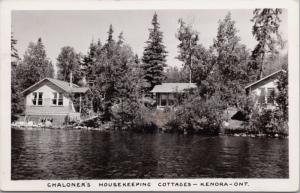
75	154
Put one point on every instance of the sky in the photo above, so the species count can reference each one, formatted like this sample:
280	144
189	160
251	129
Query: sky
78	28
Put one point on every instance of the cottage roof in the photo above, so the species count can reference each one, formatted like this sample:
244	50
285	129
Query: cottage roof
270	76
61	84
172	87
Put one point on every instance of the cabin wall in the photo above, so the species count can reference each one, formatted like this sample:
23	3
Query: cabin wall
165	100
260	90
47	110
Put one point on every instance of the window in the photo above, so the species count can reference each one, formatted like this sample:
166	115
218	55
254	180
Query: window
40	99
60	99
37	98
262	96
54	100
163	100
34	98
270	95
57	99
171	100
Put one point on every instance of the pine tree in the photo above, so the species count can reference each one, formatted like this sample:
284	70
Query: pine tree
68	61
35	65
265	31
154	56
89	61
16	98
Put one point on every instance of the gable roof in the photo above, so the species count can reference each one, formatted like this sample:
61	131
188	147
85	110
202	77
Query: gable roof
65	86
270	76
172	87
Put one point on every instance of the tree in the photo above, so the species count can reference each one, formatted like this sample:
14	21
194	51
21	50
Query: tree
202	66
282	98
68	61
188	44
35	65
274	63
265	31
89	61
230	69
16	98
154	56
173	74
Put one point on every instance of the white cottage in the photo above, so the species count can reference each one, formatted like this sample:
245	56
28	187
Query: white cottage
50	99
264	90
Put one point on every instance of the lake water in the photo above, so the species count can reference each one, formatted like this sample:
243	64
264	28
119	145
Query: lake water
85	154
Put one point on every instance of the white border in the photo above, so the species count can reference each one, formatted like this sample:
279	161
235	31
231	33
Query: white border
275	185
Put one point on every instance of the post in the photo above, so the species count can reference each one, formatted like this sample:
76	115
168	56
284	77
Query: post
71	76
190	74
80	103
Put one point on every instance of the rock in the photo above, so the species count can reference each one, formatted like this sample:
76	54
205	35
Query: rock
226	124
30	124
48	124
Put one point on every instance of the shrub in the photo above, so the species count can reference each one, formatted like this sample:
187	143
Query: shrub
198	115
268	122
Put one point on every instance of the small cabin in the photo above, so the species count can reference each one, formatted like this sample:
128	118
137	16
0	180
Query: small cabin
165	93
265	90
51	99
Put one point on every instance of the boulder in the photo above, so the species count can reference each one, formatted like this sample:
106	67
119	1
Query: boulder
48	124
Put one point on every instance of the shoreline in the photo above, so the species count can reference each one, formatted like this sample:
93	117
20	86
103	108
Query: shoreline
238	133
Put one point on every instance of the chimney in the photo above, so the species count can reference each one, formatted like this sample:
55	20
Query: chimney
71	76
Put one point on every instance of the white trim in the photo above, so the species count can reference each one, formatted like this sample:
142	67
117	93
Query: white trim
264	78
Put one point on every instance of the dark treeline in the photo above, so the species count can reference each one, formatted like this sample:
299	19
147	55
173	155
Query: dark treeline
119	79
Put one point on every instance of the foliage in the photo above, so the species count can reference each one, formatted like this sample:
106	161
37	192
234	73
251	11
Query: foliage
154	56
274	62
206	120
68	61
173	74
89	61
114	70
35	65
268	121
282	99
230	70
16	97
188	45
265	31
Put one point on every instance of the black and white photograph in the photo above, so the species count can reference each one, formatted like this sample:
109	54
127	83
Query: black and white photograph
149	94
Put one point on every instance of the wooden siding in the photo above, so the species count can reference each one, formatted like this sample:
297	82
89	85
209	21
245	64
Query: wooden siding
255	92
48	108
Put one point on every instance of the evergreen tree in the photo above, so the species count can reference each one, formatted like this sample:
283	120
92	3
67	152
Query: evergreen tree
265	31
89	61
154	56
35	65
120	39
14	51
68	61
16	98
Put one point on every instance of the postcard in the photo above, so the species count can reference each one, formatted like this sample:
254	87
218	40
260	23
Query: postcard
149	95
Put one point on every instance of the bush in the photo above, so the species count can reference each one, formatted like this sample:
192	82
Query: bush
268	122
198	115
